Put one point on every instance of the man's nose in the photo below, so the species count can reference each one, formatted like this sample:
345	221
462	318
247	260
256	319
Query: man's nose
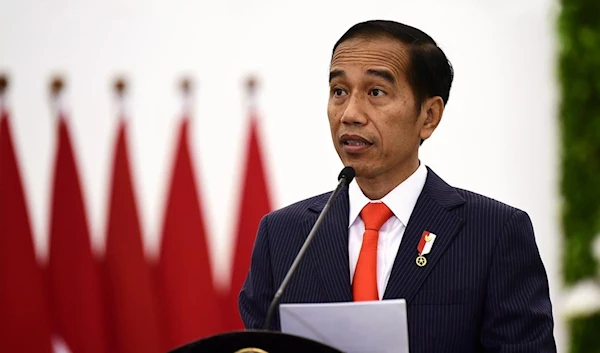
354	112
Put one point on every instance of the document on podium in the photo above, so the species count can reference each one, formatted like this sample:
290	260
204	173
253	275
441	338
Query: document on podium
353	327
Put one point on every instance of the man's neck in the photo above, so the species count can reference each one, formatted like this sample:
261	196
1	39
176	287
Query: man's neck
376	188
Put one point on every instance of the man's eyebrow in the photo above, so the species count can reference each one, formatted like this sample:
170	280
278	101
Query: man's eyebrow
384	74
336	73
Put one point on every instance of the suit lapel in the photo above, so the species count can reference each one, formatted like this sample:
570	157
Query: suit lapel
432	213
330	247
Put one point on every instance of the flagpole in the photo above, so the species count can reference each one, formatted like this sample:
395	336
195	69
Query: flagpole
251	90
120	87
184	248
56	90
3	87
74	274
186	96
132	302
253	202
22	301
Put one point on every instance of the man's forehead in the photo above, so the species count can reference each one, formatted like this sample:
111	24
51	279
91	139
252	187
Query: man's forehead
379	42
370	54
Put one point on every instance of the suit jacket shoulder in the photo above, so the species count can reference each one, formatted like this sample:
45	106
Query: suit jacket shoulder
488	215
299	211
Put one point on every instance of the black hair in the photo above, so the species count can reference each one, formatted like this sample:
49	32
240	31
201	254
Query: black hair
429	72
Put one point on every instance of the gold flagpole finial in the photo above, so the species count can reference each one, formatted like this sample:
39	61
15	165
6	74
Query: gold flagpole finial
56	85
186	85
120	86
251	85
3	84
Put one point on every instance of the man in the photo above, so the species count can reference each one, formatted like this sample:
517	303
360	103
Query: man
468	266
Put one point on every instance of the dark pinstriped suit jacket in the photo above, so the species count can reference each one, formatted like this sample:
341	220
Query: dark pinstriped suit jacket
484	288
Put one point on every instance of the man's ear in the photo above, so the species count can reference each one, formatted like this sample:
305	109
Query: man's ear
433	108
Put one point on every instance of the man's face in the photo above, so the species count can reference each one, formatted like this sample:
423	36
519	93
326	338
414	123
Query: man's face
374	122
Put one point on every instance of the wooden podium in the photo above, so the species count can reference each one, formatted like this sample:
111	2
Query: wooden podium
255	342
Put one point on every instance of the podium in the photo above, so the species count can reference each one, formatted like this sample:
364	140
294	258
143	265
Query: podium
254	341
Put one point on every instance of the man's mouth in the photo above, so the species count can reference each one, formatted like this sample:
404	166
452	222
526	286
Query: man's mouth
355	143
354	140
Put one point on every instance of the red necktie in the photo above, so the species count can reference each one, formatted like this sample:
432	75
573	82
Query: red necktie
364	284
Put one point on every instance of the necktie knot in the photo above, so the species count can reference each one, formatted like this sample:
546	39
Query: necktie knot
375	214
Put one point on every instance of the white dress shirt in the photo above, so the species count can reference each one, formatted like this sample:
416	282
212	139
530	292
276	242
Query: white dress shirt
401	201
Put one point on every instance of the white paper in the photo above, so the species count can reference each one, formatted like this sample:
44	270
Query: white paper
353	327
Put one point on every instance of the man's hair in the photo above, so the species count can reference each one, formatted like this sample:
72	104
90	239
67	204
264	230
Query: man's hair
429	72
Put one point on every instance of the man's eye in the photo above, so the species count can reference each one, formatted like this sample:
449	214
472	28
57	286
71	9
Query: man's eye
376	92
338	92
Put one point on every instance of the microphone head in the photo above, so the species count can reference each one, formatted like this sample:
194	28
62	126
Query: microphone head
347	174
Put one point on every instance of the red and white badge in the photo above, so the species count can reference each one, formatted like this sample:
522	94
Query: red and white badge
424	247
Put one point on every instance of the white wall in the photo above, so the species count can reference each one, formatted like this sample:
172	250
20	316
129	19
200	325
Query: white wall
498	136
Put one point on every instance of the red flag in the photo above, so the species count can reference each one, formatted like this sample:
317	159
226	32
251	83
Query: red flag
74	274
24	324
188	298
129	287
255	203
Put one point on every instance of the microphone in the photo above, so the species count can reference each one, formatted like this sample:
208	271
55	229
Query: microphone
345	178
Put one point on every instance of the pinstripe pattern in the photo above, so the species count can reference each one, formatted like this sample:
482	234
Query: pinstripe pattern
484	288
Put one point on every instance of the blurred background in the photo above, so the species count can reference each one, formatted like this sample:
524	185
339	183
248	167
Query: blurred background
135	194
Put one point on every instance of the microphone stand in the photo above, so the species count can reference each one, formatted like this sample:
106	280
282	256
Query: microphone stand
345	179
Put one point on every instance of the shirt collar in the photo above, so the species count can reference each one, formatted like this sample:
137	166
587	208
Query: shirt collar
401	200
